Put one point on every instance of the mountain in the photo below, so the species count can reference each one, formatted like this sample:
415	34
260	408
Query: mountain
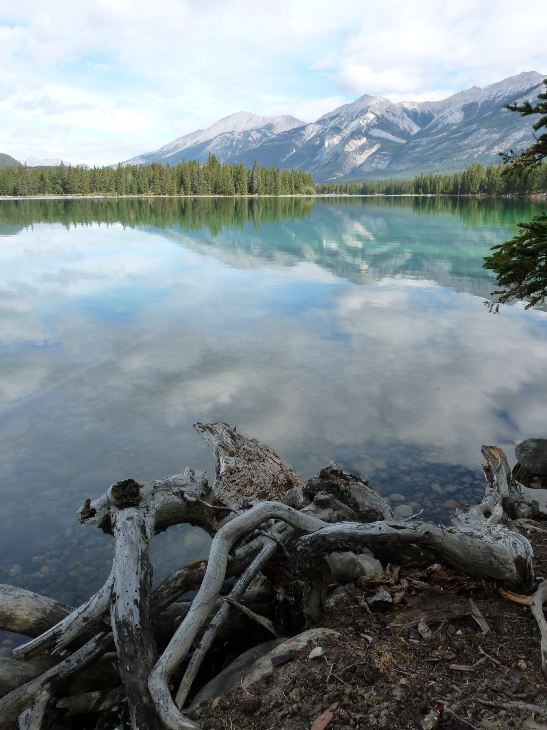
45	162
7	161
228	139
372	138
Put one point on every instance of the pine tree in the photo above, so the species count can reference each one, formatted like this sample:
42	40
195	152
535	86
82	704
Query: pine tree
531	157
255	183
241	183
520	264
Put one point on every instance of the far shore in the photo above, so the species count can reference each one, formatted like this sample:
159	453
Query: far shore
150	196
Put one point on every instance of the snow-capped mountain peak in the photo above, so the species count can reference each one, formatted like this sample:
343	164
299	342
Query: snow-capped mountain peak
230	128
371	137
45	162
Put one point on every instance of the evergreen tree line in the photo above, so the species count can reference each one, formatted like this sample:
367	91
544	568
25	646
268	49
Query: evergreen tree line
187	178
475	180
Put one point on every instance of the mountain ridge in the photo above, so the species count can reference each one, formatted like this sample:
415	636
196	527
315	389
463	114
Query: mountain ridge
371	138
240	123
8	161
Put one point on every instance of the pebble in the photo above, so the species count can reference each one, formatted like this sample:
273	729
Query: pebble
397	497
380	596
316	653
451	504
403	510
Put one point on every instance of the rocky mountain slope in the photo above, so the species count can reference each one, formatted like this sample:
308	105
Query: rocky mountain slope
228	138
372	138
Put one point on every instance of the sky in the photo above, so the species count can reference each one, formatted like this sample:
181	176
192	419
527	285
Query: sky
99	81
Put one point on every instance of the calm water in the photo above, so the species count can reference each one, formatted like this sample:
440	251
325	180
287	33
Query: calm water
351	330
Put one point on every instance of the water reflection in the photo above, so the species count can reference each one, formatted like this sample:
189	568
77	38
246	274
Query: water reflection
350	330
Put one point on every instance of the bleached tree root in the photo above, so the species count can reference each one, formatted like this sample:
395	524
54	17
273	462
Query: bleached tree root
71	627
333	512
19	700
130	614
182	640
14	673
32	718
491	552
220	619
27	613
537	611
90	702
247	469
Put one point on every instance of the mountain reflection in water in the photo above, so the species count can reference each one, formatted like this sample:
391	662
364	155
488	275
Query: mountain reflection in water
345	329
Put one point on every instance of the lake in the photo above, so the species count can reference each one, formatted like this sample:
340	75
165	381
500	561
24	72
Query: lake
345	329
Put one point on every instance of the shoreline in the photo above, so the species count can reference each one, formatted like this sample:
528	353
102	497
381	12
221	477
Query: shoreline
480	196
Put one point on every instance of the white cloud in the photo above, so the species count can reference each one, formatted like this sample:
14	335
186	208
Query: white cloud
66	67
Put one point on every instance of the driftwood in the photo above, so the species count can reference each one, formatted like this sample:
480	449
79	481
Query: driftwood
263	518
537	611
29	613
33	693
90	702
221	617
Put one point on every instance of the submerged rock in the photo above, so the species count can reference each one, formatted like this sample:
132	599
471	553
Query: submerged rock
403	510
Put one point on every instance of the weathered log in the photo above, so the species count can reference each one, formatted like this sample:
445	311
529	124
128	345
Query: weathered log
130	613
101	674
71	627
161	504
505	491
537	611
221	617
246	469
32	718
90	702
490	552
162	501
351	491
15	703
478	543
27	613
14	673
208	592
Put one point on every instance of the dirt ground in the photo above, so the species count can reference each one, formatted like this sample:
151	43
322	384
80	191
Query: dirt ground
387	670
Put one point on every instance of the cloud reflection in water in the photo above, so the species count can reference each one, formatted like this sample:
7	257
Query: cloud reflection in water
114	341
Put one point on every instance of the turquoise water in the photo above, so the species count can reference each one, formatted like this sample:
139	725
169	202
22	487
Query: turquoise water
346	330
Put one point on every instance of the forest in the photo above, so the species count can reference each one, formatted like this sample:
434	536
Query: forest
187	178
214	178
475	180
